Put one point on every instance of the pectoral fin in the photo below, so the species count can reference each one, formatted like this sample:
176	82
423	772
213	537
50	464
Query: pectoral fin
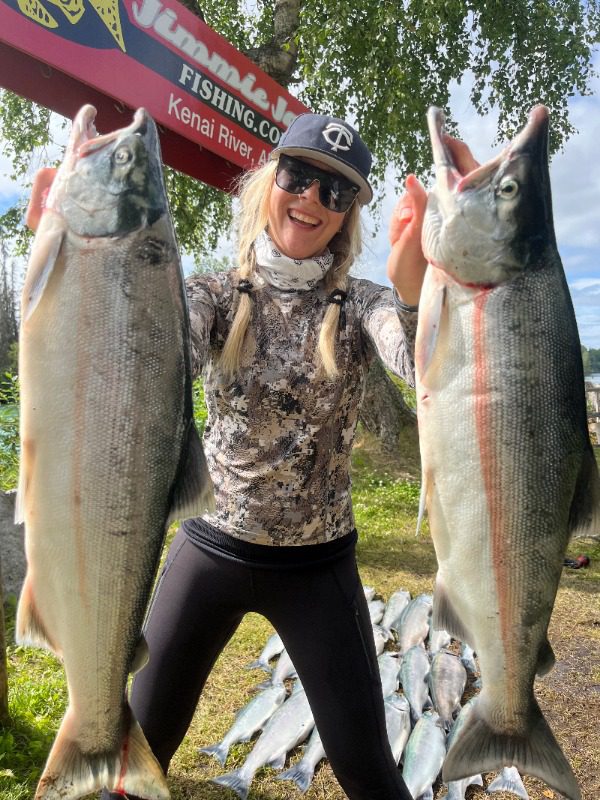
44	255
193	493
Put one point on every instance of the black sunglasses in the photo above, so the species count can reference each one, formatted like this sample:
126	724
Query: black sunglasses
336	193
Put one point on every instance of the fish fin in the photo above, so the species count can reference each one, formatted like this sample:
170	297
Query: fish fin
43	259
258	664
584	515
70	773
141	656
219	751
300	774
509	780
444	617
193	493
476	747
278	762
546	658
30	629
430	323
422	508
236	781
20	498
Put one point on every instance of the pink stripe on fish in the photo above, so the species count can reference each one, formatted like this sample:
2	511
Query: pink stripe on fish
490	467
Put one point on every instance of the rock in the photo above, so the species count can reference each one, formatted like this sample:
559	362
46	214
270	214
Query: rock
12	550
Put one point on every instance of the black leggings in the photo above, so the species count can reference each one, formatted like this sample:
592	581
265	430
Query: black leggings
321	614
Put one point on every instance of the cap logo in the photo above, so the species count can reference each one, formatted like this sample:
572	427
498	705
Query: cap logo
338	137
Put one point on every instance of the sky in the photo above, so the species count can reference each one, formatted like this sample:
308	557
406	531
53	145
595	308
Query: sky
575	176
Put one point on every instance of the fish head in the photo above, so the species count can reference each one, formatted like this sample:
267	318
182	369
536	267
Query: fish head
110	185
486	224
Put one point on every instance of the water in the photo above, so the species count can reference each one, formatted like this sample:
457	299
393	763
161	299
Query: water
594	377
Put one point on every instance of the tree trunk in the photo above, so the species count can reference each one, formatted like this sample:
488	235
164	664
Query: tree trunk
385	414
3	664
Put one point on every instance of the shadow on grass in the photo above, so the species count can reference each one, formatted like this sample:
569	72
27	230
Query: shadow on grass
183	788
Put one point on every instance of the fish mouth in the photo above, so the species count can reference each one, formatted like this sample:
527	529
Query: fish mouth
85	139
457	171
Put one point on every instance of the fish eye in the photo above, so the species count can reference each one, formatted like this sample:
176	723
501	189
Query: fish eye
508	188
122	156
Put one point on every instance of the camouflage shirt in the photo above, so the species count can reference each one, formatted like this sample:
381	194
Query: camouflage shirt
279	436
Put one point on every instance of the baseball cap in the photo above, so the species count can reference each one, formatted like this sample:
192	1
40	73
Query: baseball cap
331	141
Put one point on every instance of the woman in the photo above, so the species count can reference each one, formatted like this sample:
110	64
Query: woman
285	342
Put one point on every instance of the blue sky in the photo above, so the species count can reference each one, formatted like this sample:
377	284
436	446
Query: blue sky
575	174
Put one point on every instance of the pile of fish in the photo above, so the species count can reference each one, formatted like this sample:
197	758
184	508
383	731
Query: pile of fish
424	675
109	450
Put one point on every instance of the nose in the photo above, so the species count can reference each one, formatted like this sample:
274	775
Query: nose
312	191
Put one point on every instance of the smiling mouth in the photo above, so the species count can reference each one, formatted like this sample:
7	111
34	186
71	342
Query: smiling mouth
303	219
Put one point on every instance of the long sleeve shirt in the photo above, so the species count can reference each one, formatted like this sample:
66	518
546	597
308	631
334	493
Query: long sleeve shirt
279	436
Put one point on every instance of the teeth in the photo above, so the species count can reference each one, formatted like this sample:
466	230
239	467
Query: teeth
304	218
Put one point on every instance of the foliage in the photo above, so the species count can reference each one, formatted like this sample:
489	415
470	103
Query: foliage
380	64
9	432
591	360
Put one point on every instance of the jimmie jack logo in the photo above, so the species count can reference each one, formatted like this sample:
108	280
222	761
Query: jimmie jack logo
73	11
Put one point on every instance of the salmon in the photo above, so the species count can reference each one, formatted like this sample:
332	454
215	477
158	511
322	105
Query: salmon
508	469
110	454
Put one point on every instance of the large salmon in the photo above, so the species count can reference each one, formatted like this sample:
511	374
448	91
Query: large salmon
508	469
109	450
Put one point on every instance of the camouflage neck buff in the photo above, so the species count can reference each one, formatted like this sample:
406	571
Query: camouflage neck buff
289	273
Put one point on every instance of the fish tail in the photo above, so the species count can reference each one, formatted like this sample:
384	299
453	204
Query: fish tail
509	780
71	773
301	774
219	751
236	781
476	747
258	664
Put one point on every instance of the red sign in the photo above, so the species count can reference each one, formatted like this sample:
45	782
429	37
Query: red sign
217	112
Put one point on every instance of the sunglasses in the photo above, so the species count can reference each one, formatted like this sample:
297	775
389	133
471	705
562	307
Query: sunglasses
336	193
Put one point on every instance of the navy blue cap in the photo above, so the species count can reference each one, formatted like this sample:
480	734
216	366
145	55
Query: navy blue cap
332	141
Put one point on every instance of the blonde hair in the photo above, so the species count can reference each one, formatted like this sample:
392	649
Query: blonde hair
254	191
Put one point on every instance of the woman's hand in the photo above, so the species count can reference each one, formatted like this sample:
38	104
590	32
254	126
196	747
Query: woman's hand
406	263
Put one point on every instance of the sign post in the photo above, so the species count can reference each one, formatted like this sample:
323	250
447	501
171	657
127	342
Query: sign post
216	111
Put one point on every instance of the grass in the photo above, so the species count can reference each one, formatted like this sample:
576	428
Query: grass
390	556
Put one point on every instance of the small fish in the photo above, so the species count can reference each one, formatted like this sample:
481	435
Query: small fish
509	780
376	609
412	626
438	640
369	593
414	677
250	719
389	671
447	681
395	605
424	755
457	789
288	727
467	657
109	450
501	403
283	670
303	772
272	648
381	636
397	721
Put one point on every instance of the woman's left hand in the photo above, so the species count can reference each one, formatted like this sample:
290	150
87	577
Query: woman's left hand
406	263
